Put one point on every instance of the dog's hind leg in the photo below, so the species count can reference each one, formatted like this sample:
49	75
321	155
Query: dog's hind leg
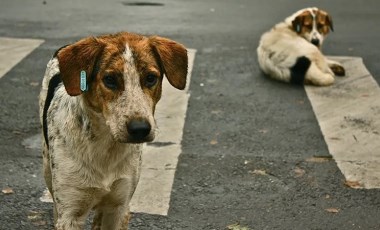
315	76
299	69
336	67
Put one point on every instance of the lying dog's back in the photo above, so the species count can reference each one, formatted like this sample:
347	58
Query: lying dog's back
283	55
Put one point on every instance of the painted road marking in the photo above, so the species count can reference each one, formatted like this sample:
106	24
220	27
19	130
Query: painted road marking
348	113
13	50
160	158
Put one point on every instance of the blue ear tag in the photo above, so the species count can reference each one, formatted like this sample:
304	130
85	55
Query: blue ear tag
298	28
83	81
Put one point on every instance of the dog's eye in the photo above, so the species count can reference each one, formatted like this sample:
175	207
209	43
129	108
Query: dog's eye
150	80
320	26
110	81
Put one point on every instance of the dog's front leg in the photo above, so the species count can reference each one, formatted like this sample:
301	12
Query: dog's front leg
112	213
111	218
72	206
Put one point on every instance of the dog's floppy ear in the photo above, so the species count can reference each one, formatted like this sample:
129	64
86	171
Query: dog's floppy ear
297	23
329	22
303	19
325	19
75	58
173	60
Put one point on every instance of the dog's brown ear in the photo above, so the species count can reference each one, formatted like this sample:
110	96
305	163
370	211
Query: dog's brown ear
304	19
325	19
80	56
173	58
329	22
297	23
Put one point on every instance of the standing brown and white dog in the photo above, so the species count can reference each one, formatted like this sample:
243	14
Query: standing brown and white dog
291	50
97	104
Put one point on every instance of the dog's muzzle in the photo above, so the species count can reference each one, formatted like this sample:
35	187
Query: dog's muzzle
139	131
315	42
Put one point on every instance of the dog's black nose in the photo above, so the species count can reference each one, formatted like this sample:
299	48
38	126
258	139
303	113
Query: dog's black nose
315	42
138	129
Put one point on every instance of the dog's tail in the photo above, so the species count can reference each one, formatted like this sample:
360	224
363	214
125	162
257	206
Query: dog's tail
299	69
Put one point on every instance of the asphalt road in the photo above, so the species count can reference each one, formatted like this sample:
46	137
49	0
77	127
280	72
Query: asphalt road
249	142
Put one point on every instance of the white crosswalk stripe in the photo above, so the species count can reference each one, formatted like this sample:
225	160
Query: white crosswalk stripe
13	50
348	113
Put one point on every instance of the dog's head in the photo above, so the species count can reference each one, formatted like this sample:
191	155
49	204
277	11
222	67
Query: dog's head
312	24
124	74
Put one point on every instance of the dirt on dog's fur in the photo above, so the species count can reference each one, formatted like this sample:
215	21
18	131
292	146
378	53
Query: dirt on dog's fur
97	107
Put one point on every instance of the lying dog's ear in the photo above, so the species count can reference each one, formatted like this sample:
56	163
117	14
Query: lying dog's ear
329	22
304	19
173	58
325	19
297	23
75	58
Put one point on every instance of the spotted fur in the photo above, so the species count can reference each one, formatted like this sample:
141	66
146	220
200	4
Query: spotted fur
91	156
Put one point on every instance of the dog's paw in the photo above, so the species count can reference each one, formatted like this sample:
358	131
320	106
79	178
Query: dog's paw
338	70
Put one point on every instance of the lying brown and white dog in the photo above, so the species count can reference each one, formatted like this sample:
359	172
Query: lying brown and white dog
97	104
291	50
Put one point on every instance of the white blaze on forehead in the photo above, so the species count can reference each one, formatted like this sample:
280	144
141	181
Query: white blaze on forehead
314	34
128	53
130	71
314	31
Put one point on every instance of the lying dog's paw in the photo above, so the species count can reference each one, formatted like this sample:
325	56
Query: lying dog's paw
338	70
